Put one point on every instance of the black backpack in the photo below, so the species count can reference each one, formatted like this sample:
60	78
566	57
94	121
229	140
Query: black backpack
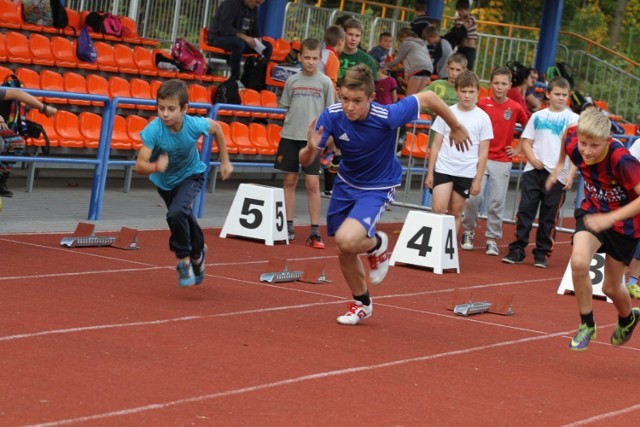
95	20
227	93
255	72
456	34
59	13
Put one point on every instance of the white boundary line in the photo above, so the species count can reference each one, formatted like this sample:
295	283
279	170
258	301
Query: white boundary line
602	417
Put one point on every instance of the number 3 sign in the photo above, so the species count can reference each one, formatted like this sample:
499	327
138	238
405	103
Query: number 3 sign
596	273
257	212
427	240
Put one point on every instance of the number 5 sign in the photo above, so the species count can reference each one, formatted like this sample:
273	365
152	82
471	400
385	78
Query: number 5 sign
596	273
257	212
427	240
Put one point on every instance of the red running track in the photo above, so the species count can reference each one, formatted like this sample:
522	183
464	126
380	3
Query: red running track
101	336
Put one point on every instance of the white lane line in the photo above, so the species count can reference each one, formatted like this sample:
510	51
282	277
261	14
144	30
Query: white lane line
602	417
295	380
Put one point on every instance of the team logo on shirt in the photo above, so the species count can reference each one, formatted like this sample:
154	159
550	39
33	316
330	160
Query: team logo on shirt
507	114
344	137
367	220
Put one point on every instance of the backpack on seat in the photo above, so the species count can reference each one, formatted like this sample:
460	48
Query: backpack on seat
188	57
112	25
227	93
85	50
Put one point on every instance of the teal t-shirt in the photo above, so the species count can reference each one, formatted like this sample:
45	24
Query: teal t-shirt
181	146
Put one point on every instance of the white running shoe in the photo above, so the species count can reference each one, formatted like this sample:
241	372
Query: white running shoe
357	311
379	260
467	240
492	248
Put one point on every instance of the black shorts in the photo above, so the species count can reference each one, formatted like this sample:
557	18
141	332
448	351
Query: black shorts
614	244
461	185
287	158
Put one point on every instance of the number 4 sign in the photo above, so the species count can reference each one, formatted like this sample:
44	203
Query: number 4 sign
427	240
257	212
596	273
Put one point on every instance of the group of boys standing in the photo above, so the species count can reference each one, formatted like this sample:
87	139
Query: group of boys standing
463	158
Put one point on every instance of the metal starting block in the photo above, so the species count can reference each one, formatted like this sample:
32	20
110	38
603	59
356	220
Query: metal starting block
463	305
278	272
84	237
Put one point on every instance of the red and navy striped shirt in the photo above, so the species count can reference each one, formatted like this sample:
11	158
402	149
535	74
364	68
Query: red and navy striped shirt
608	184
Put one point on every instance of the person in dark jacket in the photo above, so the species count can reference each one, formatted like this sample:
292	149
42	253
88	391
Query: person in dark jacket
235	28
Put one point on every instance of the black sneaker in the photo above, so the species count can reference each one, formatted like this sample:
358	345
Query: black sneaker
515	256
622	334
540	262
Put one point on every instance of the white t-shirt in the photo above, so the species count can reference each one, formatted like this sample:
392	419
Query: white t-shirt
464	164
545	128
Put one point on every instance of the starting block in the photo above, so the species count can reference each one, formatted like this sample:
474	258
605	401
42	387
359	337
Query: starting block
84	237
278	272
257	212
427	240
462	304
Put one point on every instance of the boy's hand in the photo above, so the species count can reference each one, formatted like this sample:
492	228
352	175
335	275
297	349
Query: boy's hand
511	152
314	137
598	222
428	181
475	187
537	164
226	169
460	138
551	180
162	162
569	183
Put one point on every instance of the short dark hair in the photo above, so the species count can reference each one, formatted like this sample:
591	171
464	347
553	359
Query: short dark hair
174	88
352	23
385	34
333	34
500	71
467	79
310	44
463	4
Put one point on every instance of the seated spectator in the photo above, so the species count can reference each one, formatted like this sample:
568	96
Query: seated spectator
386	89
235	28
415	60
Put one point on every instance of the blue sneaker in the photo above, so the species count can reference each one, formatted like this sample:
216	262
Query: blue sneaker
581	341
198	268
186	277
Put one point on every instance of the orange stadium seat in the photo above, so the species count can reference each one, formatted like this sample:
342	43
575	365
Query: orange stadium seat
281	48
415	146
232	148
73	29
269	99
252	98
47	124
131	31
106	57
25	26
97	85
124	59
163	73
240	137
64	53
258	136
120	139
4	72
29	78
198	93
135	125
67	127
155	85
74	82
93	66
51	80
90	126
144	60
9	15
273	134
17	47
3	48
119	87
141	89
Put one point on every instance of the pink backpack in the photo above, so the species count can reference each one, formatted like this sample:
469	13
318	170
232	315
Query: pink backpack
112	25
188	57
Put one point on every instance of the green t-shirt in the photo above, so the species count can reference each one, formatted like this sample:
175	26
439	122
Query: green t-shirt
359	57
446	92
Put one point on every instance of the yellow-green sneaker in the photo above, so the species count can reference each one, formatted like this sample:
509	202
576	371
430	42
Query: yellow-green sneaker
622	334
634	290
581	341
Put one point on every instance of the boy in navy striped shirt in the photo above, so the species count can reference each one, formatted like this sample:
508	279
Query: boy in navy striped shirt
606	222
